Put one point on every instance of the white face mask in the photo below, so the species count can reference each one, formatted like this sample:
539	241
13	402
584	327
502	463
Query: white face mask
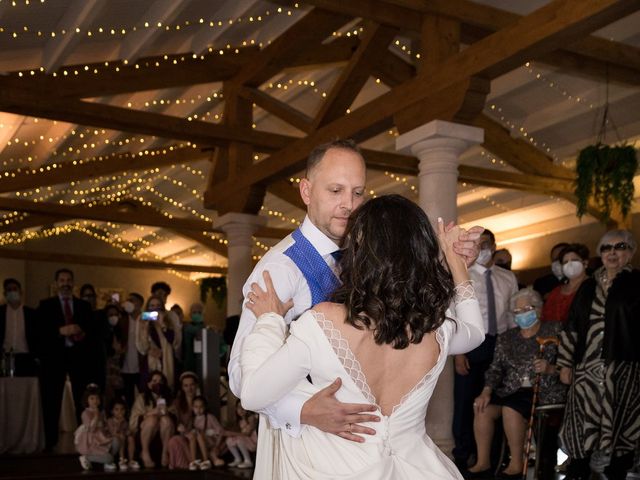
113	320
556	269
128	306
573	268
484	257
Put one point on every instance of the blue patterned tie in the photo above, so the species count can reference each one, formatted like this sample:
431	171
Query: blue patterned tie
321	279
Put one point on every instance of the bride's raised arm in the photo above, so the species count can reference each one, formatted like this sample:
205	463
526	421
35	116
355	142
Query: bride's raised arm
465	309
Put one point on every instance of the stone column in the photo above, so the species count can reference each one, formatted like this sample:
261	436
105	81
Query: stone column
438	146
239	228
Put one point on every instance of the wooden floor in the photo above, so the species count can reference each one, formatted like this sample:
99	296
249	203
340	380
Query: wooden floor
63	463
62	466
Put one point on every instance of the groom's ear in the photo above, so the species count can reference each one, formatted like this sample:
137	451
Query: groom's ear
305	191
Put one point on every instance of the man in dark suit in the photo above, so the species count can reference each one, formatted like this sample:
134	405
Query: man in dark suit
18	330
66	326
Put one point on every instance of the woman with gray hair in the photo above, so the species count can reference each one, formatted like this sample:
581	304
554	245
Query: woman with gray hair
600	359
508	391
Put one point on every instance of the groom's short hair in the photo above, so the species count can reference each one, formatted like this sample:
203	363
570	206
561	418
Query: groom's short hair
317	153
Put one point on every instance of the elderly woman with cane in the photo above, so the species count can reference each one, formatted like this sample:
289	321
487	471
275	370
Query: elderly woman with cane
508	391
600	359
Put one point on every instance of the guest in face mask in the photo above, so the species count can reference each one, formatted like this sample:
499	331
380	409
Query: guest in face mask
494	287
130	322
600	360
115	352
192	333
548	282
574	259
18	330
508	392
149	418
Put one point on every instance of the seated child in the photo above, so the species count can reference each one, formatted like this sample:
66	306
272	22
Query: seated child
207	433
244	442
93	441
118	427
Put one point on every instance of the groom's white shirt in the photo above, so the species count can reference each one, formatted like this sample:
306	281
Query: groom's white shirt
289	282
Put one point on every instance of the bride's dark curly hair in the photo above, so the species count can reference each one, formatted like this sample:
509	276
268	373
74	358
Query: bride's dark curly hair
393	279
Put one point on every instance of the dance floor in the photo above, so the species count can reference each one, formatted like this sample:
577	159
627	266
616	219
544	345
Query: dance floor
63	466
63	463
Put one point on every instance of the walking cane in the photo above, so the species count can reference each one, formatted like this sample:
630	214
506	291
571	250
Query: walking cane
542	343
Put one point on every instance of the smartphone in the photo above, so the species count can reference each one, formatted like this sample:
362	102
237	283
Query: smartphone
115	297
150	316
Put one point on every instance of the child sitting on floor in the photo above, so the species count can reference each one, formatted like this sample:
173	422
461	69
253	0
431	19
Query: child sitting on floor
244	442
93	441
118	427
207	434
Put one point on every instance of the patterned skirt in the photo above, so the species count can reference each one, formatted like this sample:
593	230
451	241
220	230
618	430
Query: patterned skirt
603	410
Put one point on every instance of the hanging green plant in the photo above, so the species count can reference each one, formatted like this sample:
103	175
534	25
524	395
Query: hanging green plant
218	288
605	174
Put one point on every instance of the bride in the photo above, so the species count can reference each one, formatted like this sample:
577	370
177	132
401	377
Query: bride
405	303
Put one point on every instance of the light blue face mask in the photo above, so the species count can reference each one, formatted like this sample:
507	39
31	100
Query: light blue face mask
526	319
196	317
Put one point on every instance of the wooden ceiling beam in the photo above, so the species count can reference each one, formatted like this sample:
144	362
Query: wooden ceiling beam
532	35
284	190
28	221
518	152
124	212
355	74
152	73
165	71
589	56
392	70
280	109
306	33
25	102
488	177
69	258
127	212
79	170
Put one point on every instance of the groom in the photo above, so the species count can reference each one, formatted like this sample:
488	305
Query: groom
303	268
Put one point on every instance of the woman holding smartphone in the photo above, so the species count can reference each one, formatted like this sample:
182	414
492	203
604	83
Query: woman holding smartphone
155	341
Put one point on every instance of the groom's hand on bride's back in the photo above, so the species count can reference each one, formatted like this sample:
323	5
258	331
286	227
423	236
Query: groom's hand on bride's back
326	413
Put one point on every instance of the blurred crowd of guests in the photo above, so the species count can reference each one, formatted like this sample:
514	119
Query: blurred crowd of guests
115	349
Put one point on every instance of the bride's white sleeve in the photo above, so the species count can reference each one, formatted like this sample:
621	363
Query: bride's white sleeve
271	366
469	328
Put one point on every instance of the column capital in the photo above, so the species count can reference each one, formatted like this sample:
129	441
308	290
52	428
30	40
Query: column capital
239	227
439	134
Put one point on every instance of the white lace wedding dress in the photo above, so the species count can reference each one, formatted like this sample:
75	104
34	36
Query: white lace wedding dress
401	449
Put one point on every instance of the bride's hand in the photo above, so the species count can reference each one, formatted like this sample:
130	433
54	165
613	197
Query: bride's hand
464	243
447	236
261	301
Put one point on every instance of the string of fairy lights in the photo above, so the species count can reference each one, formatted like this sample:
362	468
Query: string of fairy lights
121	31
144	184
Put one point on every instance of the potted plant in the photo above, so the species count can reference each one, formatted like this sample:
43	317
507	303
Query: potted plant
218	288
605	174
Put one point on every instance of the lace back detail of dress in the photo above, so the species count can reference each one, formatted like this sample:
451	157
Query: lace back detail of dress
426	377
345	355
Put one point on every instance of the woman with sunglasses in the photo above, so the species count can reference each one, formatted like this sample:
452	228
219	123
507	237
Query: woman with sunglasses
600	360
